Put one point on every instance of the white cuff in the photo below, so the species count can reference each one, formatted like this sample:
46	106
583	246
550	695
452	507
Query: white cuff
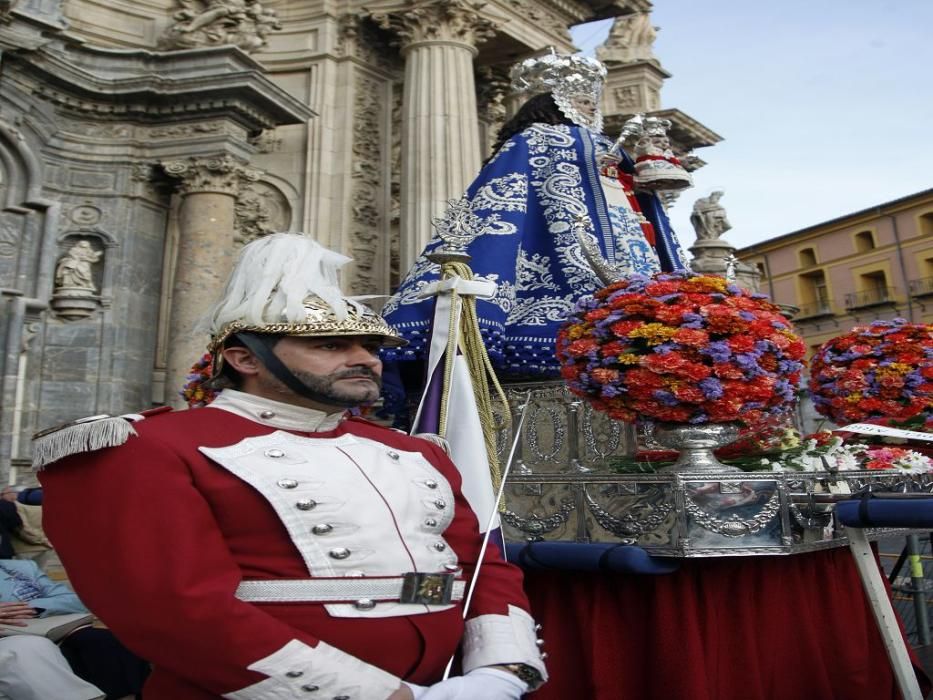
491	640
297	670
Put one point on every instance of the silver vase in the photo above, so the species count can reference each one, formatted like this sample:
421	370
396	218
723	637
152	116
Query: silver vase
696	443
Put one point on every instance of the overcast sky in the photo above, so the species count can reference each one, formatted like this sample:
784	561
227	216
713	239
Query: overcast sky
825	106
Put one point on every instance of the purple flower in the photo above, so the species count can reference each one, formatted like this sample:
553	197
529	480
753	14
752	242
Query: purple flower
747	316
665	397
718	351
711	388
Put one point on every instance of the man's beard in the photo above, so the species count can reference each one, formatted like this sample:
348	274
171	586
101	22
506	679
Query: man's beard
322	387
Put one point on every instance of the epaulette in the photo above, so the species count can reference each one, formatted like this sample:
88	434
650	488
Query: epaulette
85	435
436	439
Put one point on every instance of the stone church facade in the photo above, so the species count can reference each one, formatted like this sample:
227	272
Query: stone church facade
142	142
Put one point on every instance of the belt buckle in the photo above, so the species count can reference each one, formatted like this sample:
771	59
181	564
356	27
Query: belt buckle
427	589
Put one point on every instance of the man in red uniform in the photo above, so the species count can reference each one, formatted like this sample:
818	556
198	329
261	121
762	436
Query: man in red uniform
271	546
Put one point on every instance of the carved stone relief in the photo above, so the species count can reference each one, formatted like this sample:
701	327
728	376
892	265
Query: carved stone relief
438	20
242	23
542	18
260	209
223	174
627	98
360	39
492	87
367	209
395	188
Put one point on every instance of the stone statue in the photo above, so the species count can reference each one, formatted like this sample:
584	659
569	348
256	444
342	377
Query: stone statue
243	23
630	39
709	217
74	270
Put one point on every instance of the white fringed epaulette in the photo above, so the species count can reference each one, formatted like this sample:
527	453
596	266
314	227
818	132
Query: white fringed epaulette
436	439
81	435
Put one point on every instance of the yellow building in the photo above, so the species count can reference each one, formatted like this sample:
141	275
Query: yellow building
876	263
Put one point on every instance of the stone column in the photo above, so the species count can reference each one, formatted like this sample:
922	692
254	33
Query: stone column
205	254
440	129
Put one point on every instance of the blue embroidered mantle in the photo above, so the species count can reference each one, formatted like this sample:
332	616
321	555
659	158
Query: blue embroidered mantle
527	198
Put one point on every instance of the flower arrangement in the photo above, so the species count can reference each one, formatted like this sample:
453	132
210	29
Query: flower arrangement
824	450
683	348
884	370
194	392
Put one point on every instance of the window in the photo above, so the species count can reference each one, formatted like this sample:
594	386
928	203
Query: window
864	241
807	257
873	289
814	294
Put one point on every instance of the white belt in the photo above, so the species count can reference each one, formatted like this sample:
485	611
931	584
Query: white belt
416	587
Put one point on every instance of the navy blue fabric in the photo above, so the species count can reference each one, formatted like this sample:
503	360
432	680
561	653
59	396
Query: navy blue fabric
588	557
886	512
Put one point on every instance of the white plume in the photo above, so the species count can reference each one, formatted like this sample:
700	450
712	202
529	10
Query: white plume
272	278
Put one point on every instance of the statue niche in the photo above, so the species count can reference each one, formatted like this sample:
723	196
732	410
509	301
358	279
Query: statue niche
76	293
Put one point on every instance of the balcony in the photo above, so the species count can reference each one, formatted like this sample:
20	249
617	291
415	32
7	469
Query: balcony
922	287
876	296
817	309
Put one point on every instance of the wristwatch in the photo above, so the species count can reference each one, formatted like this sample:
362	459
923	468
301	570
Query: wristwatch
527	673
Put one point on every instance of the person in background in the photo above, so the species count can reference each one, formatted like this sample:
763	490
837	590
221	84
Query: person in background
28	540
88	663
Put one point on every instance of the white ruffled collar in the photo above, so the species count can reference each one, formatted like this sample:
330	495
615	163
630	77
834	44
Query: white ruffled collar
275	413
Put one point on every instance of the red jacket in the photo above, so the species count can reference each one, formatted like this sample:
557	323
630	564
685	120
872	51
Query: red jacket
155	538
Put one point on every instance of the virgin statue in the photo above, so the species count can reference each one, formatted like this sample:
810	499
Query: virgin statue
551	172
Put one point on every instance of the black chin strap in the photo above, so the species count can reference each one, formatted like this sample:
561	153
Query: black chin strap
261	344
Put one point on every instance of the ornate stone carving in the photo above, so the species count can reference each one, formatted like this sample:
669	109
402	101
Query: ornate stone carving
6	6
367	210
461	21
9	240
357	38
260	209
85	215
267	141
184	130
540	17
709	217
395	189
223	174
627	98
630	39
75	293
242	23
492	87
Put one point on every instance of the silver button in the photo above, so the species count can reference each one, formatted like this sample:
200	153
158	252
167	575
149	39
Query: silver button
543	655
274	453
440	546
452	567
537	628
440	504
365	604
539	642
431	484
431	522
294	674
310	687
267	414
305	504
393	455
286	483
341	697
339	553
322	528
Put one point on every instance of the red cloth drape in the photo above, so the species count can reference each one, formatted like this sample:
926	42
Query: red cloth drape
738	628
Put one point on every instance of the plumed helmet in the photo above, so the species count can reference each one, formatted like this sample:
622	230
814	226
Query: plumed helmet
286	284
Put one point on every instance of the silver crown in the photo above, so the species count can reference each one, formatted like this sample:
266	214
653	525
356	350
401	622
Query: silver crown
565	77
